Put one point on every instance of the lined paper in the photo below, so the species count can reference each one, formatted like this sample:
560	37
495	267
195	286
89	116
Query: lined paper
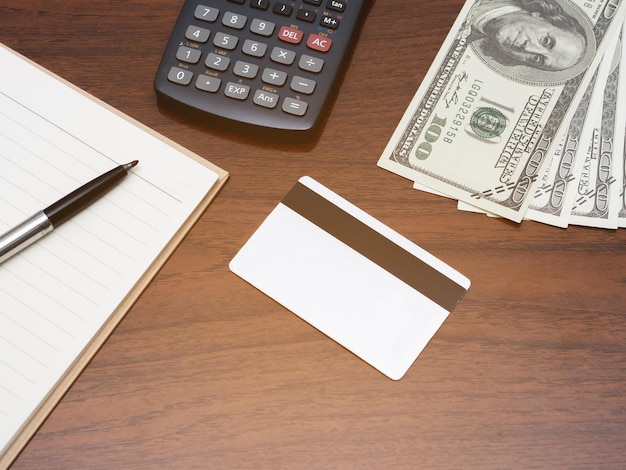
57	294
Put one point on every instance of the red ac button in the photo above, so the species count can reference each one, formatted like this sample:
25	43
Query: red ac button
319	43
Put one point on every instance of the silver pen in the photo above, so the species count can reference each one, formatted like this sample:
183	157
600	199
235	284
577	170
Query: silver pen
46	220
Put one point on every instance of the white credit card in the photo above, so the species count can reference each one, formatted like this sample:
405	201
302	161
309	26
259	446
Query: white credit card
353	278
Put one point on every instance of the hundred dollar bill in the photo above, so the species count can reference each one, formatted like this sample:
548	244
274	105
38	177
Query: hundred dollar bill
553	195
596	202
509	72
621	175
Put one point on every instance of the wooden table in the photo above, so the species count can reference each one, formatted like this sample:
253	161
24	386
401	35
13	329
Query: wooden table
207	372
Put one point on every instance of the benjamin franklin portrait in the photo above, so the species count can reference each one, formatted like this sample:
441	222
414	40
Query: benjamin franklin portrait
538	41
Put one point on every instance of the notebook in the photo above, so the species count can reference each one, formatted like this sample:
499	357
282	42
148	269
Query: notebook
61	297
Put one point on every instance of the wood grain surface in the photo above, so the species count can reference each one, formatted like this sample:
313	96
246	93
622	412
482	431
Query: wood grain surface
206	372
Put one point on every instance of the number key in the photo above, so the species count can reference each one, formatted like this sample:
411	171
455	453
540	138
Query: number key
244	69
206	13
217	62
197	34
187	54
180	76
253	48
234	20
262	27
225	41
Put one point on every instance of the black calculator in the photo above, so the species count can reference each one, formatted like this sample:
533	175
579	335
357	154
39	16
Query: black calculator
262	62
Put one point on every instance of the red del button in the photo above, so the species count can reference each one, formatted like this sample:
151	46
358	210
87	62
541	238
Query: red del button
319	43
291	35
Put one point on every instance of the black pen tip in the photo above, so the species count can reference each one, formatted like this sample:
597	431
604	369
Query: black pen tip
130	165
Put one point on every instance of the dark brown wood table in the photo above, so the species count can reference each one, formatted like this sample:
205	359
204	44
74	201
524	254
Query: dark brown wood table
206	372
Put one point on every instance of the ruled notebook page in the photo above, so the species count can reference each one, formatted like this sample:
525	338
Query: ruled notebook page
56	294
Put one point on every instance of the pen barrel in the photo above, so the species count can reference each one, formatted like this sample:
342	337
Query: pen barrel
24	234
79	199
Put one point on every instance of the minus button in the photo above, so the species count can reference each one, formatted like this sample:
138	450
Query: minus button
303	85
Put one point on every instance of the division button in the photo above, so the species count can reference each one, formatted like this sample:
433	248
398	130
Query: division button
310	64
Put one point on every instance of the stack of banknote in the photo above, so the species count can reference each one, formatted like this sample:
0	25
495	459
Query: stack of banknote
522	114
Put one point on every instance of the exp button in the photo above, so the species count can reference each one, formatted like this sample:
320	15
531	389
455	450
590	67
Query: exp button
319	43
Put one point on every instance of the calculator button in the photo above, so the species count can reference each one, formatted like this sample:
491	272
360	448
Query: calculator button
329	22
310	64
217	62
180	76
187	54
313	2
274	77
225	41
246	70
287	34
206	13
240	2
306	15
303	85
283	56
262	27
237	91
253	48
197	34
260	4
318	43
282	9
295	107
206	83
265	99
234	20
336	5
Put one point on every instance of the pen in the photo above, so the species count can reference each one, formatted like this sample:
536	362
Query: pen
46	220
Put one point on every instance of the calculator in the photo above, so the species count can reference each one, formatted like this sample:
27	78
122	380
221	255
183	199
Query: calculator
273	64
